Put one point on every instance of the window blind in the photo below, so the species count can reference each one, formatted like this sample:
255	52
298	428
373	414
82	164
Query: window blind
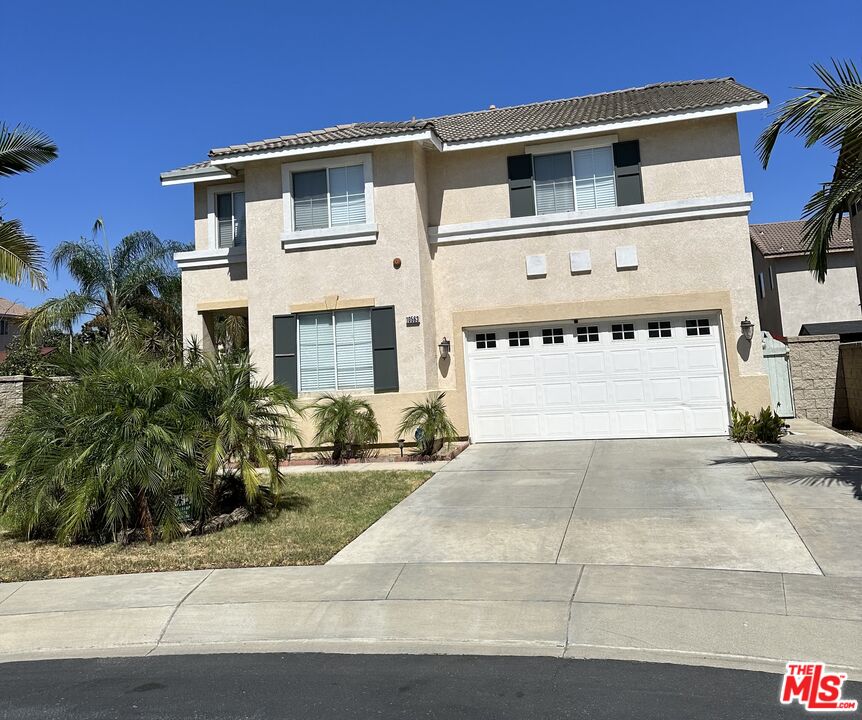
553	176
595	186
353	349
347	195
310	200
316	352
239	218
224	219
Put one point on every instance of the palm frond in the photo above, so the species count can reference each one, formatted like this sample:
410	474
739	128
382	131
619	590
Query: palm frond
23	149
20	256
56	313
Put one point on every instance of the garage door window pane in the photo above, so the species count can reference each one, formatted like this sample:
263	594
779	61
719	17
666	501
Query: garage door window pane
699	326
588	333
623	331
486	341
519	338
552	336
659	329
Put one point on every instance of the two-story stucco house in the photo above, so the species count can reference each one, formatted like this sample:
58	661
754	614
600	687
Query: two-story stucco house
789	297
576	268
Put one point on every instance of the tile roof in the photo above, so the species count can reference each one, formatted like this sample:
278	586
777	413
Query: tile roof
639	102
10	308
785	238
604	107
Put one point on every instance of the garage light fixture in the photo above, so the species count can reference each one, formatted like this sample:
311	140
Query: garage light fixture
747	328
444	346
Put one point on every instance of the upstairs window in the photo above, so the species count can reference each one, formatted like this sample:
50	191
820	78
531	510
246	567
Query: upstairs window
329	197
4	326
230	219
576	180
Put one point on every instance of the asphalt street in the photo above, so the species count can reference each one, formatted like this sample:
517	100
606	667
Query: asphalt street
330	686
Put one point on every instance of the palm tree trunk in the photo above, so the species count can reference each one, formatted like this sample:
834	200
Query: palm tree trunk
145	517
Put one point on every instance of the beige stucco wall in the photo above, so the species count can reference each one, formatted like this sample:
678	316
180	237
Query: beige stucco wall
804	300
686	159
279	280
683	266
768	305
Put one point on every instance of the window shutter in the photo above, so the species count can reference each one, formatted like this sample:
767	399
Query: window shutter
284	351
627	169
385	349
521	202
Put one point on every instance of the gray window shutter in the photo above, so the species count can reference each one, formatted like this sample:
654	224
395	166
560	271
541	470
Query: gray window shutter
627	169
284	351
521	201
385	349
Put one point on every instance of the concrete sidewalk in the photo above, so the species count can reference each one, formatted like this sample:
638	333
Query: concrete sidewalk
721	618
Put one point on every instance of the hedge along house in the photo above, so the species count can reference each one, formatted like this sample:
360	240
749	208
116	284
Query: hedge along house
576	268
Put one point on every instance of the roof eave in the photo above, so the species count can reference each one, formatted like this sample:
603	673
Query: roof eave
428	136
195	175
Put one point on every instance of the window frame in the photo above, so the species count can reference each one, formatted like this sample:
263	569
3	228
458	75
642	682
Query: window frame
332	314
697	326
212	215
554	336
289	169
625	327
592	333
660	327
486	337
571	147
519	336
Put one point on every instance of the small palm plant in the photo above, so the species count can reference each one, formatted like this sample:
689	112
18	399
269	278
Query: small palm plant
345	422
243	426
429	423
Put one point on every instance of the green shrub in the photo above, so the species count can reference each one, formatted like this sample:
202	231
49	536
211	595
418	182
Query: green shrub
346	423
111	449
429	424
765	427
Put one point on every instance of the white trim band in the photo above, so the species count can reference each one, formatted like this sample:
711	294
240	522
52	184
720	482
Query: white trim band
330	237
220	257
668	211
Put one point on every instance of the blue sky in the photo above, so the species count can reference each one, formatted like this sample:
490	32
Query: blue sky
128	91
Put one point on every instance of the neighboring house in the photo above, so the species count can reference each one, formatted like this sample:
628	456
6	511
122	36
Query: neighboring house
788	295
11	315
568	269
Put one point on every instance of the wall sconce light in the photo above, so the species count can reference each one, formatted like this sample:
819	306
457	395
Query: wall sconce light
445	346
289	449
747	328
401	446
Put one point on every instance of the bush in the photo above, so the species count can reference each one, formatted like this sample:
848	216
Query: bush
113	449
347	424
429	424
765	427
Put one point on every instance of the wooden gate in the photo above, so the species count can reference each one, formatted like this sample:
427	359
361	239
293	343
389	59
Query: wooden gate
776	361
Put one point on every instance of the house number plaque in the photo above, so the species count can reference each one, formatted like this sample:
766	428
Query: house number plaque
412	320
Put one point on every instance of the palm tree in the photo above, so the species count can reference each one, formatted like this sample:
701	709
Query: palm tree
133	289
22	149
429	423
831	114
345	422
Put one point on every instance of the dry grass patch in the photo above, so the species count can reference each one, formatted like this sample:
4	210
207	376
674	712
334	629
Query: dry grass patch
322	513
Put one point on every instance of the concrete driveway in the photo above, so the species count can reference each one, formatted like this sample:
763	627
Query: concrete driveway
678	503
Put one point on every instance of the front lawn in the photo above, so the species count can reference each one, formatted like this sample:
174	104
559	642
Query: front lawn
322	513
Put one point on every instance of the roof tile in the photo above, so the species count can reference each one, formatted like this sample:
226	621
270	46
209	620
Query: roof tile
785	238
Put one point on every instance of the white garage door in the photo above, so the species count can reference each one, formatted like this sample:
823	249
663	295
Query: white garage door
629	377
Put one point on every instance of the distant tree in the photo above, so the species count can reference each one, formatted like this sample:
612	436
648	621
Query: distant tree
831	114
130	292
22	149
